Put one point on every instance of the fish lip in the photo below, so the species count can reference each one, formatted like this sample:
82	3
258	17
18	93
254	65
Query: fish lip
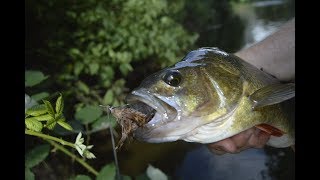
161	116
146	97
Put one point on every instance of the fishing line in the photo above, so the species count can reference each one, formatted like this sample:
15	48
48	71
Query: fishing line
118	177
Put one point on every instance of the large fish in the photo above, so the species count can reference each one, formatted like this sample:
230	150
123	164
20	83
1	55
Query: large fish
211	95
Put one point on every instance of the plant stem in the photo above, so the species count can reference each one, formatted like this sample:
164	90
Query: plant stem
48	137
79	160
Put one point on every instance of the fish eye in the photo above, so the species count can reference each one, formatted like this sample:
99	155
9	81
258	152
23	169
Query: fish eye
172	78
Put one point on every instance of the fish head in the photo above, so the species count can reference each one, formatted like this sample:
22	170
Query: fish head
187	95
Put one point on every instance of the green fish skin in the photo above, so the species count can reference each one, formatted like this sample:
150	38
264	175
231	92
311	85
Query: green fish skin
211	95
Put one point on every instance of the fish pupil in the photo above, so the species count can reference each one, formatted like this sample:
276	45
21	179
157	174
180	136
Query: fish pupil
172	78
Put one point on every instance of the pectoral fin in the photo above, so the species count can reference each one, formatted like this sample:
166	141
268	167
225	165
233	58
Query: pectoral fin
272	94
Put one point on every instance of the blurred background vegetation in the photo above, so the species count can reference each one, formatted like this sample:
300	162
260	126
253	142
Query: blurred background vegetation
94	52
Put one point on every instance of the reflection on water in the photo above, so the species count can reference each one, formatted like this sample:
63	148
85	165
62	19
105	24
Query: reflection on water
262	18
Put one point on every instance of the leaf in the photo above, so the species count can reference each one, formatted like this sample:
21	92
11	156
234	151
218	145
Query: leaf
108	72
49	108
65	125
45	117
51	123
33	124
36	155
40	96
155	173
37	110
93	68
108	172
59	105
88	114
78	67
28	174
82	177
124	177
125	68
33	77
104	122
83	87
108	97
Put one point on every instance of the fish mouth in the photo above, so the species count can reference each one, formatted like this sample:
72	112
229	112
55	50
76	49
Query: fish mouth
158	109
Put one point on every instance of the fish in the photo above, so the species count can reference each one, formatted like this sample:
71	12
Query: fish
208	96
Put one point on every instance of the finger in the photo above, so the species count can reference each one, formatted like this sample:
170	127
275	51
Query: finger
258	139
227	145
241	139
216	151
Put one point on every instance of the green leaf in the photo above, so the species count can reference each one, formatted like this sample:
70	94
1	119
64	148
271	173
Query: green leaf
82	177
108	172
93	68
124	177
59	105
45	117
49	108
88	114
51	123
40	96
36	155
78	67
33	77
65	125
104	122
28	174
125	68
33	124
74	52
108	97
37	110
108	72
155	173
83	87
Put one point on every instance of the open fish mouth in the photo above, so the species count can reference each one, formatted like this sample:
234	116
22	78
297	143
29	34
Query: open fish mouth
157	110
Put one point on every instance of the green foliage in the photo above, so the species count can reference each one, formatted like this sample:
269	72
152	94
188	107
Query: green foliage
49	108
95	48
28	174
40	96
88	114
64	125
33	78
108	172
37	110
36	155
45	113
33	124
59	105
82	177
103	122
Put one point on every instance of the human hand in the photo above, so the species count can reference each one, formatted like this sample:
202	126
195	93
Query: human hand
251	138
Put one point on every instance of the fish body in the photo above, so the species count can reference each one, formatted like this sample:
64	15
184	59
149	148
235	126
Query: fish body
211	95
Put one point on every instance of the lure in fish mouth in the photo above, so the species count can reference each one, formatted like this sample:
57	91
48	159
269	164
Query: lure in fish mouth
208	96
